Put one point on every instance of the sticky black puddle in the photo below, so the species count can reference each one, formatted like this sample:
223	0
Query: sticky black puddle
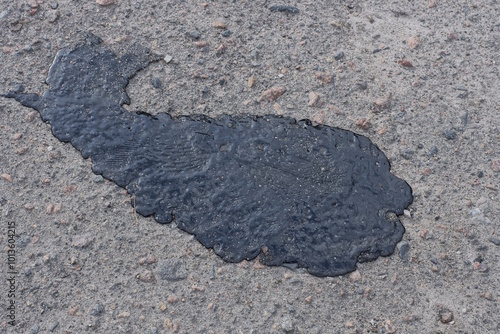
315	196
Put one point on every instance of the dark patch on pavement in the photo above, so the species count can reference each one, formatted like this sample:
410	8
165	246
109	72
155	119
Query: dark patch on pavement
317	196
284	9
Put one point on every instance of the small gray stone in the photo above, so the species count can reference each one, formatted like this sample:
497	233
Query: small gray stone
362	85
82	241
407	154
156	82
287	325
226	33
23	241
172	270
403	250
98	309
475	212
284	9
339	55
18	88
194	35
98	179
54	325
35	329
450	134
495	241
168	58
464	119
4	14
432	151
54	5
54	16
445	315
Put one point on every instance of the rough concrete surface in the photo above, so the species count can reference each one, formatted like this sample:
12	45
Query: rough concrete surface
419	78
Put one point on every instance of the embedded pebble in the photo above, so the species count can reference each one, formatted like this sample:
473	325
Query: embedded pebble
495	241
82	241
339	55
389	327
7	177
17	136
73	310
495	166
54	16
251	81
413	42
54	325
432	151
363	123
382	103
171	270
168	58
98	309
274	93
156	82
168	324
319	117
219	25
16	26
201	44
123	315
287	325
57	208
284	9
172	299
105	2
405	63
403	249
450	134
313	99
324	78
194	35
98	178
445	315
146	276
355	276
148	260
31	116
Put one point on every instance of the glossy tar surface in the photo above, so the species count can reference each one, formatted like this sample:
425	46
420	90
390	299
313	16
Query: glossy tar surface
315	196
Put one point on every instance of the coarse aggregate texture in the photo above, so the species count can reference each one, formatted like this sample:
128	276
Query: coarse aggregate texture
419	78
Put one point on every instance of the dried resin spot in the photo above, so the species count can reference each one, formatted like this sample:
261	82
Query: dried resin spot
317	197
